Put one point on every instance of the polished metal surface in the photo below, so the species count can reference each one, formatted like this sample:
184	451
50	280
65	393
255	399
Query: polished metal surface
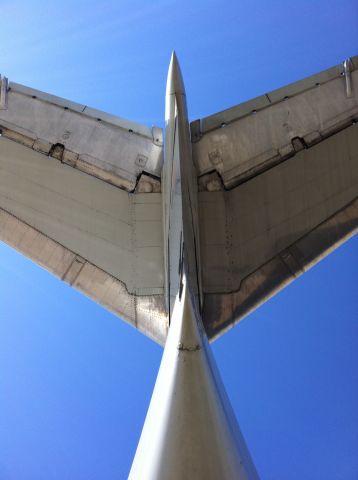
244	141
190	430
265	233
179	185
110	148
277	182
86	195
55	214
347	73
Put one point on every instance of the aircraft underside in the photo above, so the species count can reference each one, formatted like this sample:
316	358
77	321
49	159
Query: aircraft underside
183	237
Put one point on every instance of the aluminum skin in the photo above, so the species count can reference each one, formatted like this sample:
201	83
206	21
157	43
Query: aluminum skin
278	190
190	430
86	195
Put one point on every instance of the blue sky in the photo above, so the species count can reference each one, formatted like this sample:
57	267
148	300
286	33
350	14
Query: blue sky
75	381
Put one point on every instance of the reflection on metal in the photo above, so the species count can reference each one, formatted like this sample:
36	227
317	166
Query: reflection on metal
311	109
53	213
147	313
102	145
190	430
223	311
304	207
246	201
265	181
348	76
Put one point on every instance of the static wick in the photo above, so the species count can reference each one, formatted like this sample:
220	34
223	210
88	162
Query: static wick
348	77
3	93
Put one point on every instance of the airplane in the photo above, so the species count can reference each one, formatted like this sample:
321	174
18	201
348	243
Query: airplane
183	237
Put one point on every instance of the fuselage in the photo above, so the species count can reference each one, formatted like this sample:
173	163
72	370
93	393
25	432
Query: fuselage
179	193
190	430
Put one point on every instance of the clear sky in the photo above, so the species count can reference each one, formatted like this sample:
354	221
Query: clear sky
75	381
